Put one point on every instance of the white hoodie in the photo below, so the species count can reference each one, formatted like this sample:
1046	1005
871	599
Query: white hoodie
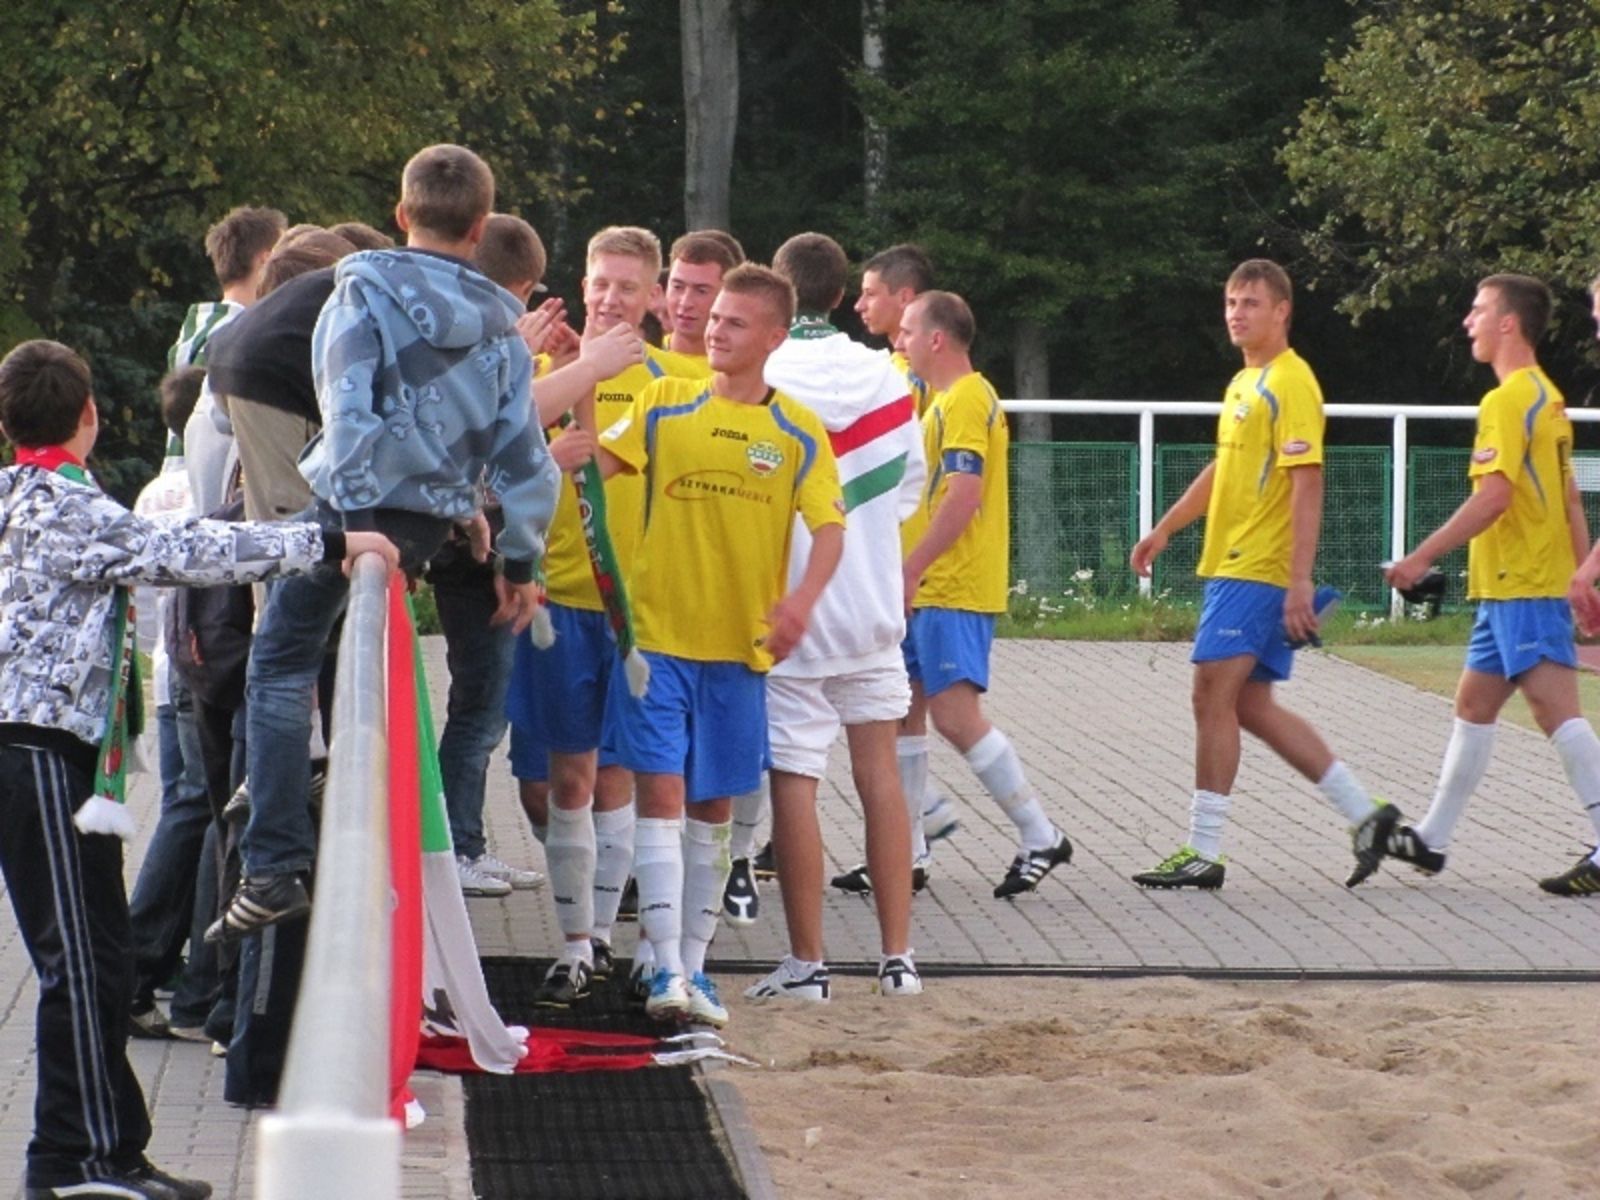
866	405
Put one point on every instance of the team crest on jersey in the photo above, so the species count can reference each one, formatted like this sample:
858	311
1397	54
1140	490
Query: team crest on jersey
1241	411
1290	449
1486	455
764	458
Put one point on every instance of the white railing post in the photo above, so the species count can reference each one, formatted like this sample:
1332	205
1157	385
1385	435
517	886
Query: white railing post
1400	488
1147	484
332	1137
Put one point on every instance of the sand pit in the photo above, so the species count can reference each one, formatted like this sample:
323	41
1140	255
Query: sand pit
1176	1088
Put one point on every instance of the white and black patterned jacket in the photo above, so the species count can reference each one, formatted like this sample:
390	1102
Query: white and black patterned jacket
64	547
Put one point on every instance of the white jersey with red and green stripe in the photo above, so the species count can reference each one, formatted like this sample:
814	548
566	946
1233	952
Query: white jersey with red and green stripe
871	419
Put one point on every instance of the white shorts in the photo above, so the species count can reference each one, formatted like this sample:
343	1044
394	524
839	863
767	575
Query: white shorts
804	715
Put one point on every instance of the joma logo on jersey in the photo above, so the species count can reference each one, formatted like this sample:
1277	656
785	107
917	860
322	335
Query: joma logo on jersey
731	433
765	458
614	397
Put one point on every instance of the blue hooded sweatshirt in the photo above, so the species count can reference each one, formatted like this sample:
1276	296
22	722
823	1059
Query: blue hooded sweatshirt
424	386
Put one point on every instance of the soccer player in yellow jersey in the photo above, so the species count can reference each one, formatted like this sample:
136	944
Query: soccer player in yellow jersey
695	267
556	698
890	280
957	578
725	465
1262	500
1526	533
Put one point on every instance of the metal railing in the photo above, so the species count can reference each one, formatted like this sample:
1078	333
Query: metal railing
331	1137
1398	416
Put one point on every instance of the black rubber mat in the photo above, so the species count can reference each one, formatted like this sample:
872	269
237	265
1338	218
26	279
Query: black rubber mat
648	1134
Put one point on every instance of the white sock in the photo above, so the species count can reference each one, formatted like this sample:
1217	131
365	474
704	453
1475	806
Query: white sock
994	761
706	863
748	812
658	866
569	855
912	753
1466	759
1579	748
579	950
1344	791
1208	813
613	864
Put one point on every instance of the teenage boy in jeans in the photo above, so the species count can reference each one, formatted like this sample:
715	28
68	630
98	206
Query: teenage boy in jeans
69	689
423	382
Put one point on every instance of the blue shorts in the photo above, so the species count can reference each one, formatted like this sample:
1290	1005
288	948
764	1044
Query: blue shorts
1244	617
1511	636
556	700
947	646
706	721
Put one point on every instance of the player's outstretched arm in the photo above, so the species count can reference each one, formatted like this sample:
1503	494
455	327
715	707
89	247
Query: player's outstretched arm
1190	507
1479	511
602	356
1305	524
791	616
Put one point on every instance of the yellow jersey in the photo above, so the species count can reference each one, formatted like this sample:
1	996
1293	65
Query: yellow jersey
1525	435
700	363
1271	423
964	431
921	390
722	482
569	577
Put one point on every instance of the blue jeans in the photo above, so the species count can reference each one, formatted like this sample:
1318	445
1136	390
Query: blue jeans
161	908
479	657
285	659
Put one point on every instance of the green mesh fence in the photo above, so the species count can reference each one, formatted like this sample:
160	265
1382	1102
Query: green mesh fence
1074	517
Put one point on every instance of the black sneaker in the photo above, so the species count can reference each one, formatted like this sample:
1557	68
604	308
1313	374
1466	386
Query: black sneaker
1583	879
142	1183
1405	845
741	899
764	866
628	906
604	960
564	984
1185	868
261	900
237	810
1370	840
856	881
1029	867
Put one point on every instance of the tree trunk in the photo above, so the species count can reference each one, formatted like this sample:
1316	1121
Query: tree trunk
711	109
1036	556
875	167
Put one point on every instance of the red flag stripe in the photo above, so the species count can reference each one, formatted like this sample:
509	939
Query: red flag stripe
873	425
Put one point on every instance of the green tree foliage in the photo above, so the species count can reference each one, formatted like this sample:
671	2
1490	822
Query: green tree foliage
1041	149
1454	139
131	125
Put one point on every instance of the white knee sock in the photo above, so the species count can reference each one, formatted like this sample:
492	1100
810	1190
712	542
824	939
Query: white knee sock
1579	748
705	874
613	863
569	852
994	761
912	753
1466	758
1208	813
658	866
748	812
1344	791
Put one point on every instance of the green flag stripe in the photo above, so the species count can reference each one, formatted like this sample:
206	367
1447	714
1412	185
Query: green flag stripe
874	483
435	827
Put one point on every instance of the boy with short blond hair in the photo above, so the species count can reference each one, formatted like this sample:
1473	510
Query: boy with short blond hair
424	386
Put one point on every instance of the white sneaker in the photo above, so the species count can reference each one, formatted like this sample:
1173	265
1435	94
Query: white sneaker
705	1005
939	819
792	981
520	878
477	882
669	997
897	976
